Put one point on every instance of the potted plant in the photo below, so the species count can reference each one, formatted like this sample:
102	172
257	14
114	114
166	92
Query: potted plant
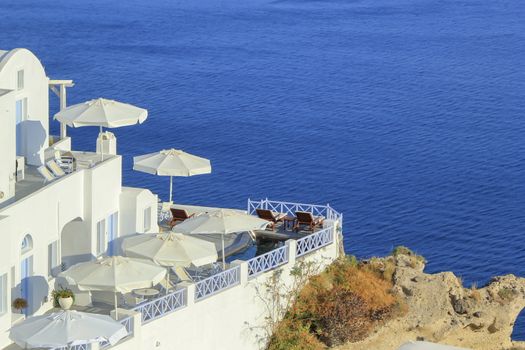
19	304
63	297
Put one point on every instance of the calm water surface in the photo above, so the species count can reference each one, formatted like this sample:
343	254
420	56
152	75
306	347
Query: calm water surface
406	115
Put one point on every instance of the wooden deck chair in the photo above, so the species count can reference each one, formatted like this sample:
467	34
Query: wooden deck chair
270	216
307	219
178	215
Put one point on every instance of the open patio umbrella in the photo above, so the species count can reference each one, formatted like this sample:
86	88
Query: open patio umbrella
116	274
66	328
170	249
221	221
171	162
103	113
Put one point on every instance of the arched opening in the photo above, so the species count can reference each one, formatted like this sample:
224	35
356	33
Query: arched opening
27	244
75	243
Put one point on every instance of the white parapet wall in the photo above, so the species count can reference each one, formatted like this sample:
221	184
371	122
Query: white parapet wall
232	310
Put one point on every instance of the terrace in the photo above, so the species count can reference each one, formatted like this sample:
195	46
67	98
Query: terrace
30	180
238	272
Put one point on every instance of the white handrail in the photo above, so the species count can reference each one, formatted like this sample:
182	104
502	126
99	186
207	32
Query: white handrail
218	282
267	261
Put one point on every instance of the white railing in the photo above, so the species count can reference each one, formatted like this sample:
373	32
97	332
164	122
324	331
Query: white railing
216	283
75	347
289	208
315	241
164	305
267	261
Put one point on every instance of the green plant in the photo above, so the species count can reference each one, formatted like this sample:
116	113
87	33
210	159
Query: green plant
19	303
61	293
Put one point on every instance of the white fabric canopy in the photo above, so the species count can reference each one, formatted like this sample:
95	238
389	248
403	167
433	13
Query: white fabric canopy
222	221
103	113
170	249
115	273
171	162
66	328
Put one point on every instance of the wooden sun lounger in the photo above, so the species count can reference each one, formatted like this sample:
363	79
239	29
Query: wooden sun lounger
178	215
270	216
307	219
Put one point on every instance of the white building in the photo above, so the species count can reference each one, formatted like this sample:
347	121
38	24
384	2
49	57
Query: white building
46	226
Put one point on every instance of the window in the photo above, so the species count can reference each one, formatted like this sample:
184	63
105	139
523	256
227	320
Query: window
147	219
3	293
20	79
27	244
21	110
112	232
101	236
52	258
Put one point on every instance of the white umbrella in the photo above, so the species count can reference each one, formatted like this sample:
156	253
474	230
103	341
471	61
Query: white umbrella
170	249
66	328
103	113
222	221
115	274
171	162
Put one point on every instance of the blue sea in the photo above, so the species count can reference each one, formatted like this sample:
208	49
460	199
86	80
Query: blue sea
406	115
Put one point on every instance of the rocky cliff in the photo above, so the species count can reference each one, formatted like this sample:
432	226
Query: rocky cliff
441	310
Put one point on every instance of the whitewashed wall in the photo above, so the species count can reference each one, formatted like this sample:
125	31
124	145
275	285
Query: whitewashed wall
232	319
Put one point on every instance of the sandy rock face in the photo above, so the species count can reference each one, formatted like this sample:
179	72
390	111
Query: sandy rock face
442	310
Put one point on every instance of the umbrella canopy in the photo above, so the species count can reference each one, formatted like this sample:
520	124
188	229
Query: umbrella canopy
66	328
222	221
423	345
103	113
171	162
115	273
170	249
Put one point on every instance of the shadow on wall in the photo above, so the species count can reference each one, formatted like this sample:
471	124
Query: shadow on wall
38	293
35	137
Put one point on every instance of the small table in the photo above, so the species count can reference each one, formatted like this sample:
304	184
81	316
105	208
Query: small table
146	292
288	223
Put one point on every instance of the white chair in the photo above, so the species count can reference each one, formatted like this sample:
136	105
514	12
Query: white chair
46	174
55	169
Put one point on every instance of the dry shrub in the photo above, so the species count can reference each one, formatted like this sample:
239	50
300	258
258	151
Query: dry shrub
293	335
342	304
474	293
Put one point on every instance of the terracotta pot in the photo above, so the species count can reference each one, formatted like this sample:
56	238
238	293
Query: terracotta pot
65	303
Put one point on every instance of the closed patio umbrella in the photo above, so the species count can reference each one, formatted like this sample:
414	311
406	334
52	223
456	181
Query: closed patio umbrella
221	221
171	162
116	274
66	328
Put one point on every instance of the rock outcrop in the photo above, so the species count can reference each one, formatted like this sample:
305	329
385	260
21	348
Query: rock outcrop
441	310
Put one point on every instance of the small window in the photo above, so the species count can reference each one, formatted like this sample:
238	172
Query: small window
21	110
101	236
20	79
147	219
27	244
52	257
3	293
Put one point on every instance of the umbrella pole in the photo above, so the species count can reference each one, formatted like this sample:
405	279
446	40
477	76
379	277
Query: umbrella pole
167	279
171	189
223	258
101	145
116	308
